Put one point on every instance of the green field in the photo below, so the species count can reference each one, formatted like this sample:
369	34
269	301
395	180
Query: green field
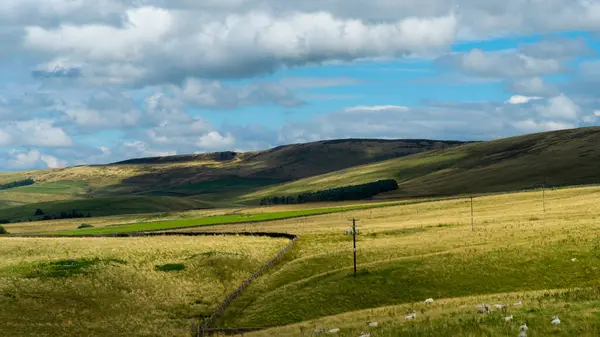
102	207
406	253
222	220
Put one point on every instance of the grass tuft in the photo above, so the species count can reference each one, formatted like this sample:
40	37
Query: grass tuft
170	267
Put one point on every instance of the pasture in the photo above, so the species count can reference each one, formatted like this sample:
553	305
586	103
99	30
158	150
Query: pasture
407	252
120	286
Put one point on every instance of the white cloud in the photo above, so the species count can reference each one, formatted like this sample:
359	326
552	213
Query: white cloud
532	86
159	45
597	113
214	140
36	132
33	159
557	48
561	107
501	64
53	162
530	126
518	99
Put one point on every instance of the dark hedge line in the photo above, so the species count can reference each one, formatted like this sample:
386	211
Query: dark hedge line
354	192
19	183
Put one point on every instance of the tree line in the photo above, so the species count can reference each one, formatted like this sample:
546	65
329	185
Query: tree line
18	183
354	192
63	215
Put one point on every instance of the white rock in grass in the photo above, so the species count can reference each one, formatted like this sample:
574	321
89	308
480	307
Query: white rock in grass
573	259
429	300
411	316
334	330
365	335
373	323
518	303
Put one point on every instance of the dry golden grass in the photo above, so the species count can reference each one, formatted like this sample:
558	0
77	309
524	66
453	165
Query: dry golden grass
121	294
431	238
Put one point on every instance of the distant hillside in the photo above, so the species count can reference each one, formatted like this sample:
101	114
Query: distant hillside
567	157
214	179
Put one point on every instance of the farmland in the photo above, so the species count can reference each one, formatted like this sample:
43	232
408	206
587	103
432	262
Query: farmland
409	252
112	287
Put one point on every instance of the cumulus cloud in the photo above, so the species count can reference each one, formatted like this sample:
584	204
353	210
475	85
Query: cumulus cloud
441	120
36	132
33	159
500	64
558	48
103	109
531	86
160	46
215	95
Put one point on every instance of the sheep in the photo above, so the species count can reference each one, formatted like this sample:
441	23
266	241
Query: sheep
518	303
508	318
334	330
318	331
365	335
524	327
573	259
500	306
411	316
429	300
373	324
484	308
555	320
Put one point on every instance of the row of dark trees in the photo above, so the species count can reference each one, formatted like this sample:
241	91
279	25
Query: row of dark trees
19	183
355	192
63	215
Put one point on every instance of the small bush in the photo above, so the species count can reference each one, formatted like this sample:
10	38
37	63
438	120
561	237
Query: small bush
3	230
170	267
85	225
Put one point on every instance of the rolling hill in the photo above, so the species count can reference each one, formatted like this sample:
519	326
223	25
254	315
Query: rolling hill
203	180
422	168
566	157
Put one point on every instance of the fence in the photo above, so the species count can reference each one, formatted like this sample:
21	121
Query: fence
207	326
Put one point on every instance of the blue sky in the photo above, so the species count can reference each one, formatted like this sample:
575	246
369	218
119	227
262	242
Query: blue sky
92	83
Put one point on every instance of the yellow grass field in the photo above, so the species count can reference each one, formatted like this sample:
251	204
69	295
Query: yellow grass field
112	287
515	251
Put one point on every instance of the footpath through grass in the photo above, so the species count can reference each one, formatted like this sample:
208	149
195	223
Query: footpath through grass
224	219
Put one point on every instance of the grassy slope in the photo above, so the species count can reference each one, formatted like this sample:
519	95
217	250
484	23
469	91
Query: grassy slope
576	308
409	253
116	289
568	157
102	206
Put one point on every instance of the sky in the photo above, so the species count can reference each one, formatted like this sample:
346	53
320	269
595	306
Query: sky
93	82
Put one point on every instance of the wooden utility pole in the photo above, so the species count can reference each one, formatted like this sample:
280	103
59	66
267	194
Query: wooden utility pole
544	195
354	242
472	219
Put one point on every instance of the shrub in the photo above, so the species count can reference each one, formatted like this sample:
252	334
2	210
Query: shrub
3	230
170	267
38	212
85	225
